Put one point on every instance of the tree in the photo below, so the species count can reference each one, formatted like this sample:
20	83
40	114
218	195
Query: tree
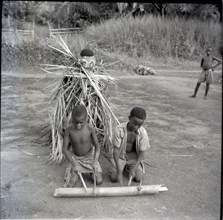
207	12
57	12
18	11
71	14
68	12
204	12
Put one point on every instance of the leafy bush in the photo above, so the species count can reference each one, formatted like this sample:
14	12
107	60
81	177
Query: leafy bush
145	38
28	54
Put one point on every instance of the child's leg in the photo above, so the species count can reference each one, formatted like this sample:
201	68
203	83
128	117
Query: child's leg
67	175
97	171
113	170
73	180
207	89
113	176
138	173
196	89
99	178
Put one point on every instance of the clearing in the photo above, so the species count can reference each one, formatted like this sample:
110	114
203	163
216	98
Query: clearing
185	154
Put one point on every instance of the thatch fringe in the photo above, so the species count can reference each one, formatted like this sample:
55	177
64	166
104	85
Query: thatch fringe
73	84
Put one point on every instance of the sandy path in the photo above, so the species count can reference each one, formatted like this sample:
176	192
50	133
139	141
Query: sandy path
185	152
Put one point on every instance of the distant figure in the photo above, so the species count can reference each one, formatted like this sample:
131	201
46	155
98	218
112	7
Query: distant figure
130	143
83	156
207	73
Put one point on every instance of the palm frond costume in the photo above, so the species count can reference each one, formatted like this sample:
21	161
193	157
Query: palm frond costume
79	81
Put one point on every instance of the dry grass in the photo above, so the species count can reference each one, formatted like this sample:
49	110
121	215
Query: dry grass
73	84
152	36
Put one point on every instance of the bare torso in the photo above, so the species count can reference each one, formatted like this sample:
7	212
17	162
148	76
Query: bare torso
80	140
207	62
130	145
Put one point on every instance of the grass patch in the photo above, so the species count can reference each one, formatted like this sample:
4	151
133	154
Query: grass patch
155	37
150	40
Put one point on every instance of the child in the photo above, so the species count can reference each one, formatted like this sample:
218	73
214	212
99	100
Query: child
130	144
207	73
83	156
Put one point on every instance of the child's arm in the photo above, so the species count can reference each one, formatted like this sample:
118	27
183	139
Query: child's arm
141	157
65	151
143	146
202	61
218	62
97	146
116	155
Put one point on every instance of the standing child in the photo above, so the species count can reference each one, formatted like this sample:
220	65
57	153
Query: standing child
83	156
207	73
130	143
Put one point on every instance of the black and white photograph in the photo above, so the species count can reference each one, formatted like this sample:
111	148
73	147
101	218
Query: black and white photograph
111	110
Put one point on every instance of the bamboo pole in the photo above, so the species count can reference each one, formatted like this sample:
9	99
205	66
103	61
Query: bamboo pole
94	173
9	22
62	32
130	180
110	191
33	30
65	29
82	180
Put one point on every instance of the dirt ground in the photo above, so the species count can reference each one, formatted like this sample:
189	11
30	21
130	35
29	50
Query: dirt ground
185	154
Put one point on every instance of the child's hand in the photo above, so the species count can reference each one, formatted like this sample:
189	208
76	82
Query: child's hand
76	168
132	172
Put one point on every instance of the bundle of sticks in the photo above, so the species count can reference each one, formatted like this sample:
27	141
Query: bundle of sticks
74	84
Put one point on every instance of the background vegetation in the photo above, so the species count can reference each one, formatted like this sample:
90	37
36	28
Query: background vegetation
128	32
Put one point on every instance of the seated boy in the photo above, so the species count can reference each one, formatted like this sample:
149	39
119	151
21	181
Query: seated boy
130	143
83	156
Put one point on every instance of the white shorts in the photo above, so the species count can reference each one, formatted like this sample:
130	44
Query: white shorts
206	76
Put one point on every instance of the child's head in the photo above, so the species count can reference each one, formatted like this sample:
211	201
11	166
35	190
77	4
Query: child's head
79	116
87	58
136	118
209	50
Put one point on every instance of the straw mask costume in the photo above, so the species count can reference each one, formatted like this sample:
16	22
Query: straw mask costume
87	58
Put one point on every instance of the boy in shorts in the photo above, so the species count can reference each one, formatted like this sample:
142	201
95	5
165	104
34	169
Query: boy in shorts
207	73
130	143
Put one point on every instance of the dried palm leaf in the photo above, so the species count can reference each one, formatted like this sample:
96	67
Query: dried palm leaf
82	86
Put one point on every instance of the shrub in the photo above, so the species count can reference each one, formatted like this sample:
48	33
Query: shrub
28	54
145	38
176	37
